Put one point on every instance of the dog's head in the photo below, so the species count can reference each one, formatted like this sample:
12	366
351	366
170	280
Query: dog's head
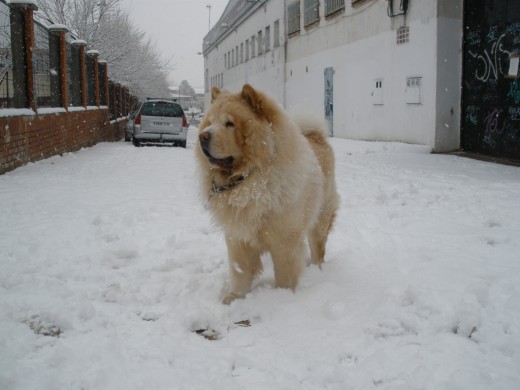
235	136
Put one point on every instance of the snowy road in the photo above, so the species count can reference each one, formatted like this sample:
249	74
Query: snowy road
108	264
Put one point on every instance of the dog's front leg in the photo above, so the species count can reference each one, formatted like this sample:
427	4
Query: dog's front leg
244	265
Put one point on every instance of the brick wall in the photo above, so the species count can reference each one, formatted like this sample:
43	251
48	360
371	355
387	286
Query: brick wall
30	138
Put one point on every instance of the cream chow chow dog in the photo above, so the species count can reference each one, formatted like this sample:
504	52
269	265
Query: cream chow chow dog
270	184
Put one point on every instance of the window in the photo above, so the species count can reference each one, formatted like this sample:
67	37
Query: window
293	18
260	43
253	48
247	49
276	33
267	41
311	14
236	55
242	52
232	57
402	35
332	6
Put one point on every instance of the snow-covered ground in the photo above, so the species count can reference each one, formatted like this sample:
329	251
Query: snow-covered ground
109	265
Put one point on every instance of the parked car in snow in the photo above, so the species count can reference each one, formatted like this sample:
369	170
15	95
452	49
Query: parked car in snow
129	127
160	121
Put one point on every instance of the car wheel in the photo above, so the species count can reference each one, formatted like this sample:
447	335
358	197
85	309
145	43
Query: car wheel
182	144
136	142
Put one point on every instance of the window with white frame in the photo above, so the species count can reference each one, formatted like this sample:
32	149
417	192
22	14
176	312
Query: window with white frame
247	49
253	47
293	18
311	12
241	52
332	6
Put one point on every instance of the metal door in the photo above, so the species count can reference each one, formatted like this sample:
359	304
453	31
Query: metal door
490	88
329	98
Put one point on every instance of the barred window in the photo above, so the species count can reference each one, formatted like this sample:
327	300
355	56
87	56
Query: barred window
41	67
293	18
312	14
332	6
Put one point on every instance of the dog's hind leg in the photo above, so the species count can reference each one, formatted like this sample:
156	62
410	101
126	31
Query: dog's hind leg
244	265
318	235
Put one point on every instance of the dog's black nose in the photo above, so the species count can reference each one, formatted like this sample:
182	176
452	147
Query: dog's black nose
204	138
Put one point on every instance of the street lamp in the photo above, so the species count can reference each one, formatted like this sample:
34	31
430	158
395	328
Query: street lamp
209	16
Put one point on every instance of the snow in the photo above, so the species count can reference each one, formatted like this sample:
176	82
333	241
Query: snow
109	265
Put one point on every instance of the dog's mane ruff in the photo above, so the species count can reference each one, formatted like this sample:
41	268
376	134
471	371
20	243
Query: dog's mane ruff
309	122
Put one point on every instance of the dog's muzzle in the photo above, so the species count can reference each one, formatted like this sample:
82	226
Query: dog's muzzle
204	141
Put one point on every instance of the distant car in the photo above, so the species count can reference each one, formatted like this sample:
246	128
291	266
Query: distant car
129	127
160	121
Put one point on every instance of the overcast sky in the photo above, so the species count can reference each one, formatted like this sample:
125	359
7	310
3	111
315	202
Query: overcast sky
177	27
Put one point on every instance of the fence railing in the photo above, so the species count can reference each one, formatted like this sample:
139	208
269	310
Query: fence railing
56	70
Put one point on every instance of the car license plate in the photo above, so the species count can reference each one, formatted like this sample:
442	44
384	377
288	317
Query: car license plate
161	124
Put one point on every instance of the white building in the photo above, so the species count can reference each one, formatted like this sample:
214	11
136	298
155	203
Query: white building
247	45
388	70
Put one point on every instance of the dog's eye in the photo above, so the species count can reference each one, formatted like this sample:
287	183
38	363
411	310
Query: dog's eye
230	124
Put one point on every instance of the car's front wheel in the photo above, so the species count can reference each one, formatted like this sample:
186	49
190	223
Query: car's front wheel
136	142
182	144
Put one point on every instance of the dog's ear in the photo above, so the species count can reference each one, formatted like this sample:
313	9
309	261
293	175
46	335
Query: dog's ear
253	98
214	93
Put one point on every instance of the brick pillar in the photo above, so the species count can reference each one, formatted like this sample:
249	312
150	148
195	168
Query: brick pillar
60	30
27	10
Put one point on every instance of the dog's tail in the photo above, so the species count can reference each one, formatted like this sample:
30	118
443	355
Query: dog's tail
309	123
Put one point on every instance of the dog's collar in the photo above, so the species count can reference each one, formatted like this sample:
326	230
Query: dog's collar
216	190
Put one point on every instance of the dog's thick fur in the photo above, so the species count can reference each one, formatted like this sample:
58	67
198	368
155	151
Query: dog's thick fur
270	182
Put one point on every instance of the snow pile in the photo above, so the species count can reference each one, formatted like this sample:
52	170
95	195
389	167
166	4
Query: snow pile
111	278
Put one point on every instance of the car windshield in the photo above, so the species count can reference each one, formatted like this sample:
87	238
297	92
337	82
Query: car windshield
161	109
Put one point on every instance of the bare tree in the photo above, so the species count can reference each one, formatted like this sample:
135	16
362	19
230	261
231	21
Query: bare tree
186	89
133	59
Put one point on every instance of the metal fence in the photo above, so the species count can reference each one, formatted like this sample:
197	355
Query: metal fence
31	77
6	63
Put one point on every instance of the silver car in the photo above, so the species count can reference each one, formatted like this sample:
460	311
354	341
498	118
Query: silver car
160	121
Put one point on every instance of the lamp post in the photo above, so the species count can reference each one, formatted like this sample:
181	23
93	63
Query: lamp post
209	15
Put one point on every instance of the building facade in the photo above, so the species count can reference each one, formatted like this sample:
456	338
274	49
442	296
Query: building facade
383	70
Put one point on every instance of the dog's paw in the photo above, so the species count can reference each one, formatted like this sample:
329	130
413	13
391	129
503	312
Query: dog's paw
230	297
